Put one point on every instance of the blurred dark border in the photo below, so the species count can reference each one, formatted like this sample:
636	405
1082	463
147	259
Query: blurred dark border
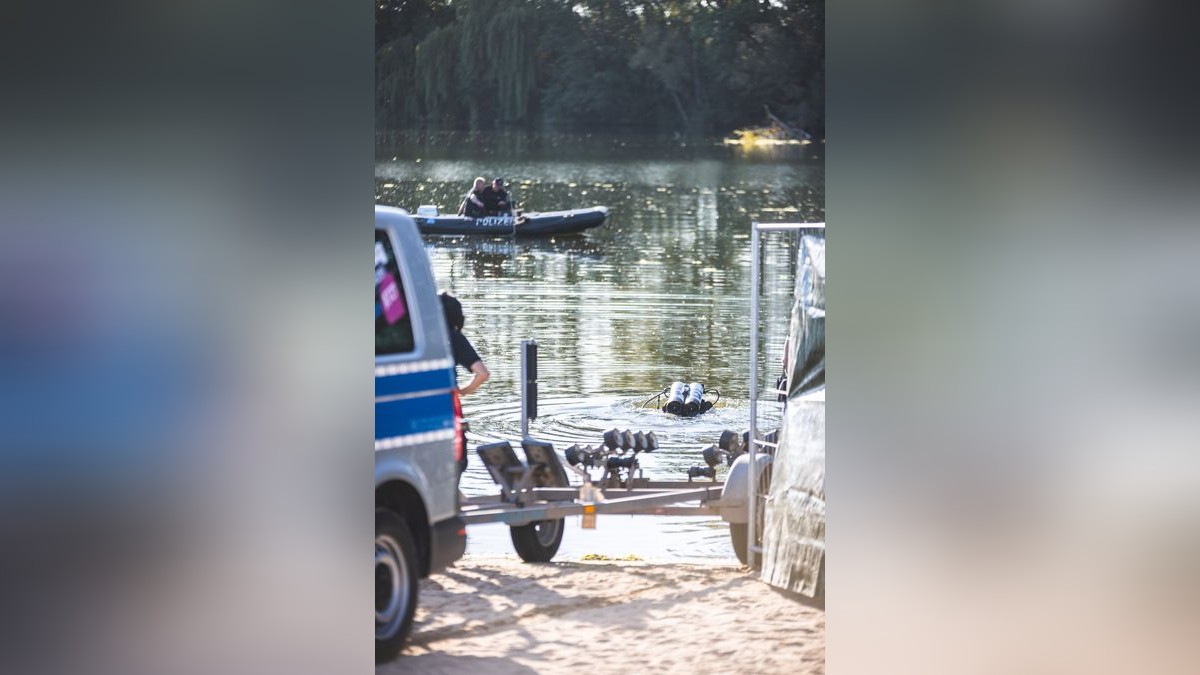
1013	302
1012	336
185	425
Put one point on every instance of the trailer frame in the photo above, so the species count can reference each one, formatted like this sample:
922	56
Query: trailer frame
538	490
655	498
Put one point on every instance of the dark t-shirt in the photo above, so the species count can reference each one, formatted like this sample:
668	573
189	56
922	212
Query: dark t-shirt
492	200
464	354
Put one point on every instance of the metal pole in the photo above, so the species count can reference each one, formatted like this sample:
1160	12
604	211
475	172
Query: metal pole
528	384
753	440
524	392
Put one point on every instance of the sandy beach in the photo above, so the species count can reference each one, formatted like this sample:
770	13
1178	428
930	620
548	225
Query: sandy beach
497	615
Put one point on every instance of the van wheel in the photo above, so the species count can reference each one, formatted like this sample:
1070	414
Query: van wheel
537	542
395	584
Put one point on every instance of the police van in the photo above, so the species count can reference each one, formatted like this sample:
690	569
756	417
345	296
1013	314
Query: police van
419	438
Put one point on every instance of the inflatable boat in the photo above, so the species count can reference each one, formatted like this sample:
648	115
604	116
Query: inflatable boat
429	221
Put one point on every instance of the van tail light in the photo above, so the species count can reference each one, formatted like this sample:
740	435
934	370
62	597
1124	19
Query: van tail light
460	438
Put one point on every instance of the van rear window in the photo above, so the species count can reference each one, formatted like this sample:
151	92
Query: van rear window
393	321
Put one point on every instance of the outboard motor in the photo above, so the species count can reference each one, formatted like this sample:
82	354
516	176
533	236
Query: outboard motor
693	399
675	400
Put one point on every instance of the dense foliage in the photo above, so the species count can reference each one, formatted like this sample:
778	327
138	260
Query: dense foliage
698	67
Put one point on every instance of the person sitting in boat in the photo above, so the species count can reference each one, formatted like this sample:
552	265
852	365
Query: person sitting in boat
474	205
495	199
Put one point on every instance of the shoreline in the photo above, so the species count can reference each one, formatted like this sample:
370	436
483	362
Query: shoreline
497	614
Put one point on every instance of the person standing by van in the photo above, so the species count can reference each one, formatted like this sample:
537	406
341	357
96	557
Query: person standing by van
464	353
462	349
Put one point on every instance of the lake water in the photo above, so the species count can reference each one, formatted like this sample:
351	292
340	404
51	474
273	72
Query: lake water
660	293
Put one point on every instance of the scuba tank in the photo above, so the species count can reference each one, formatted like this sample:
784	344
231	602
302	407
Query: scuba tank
675	400
693	399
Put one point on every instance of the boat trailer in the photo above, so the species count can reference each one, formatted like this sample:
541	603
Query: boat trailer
536	494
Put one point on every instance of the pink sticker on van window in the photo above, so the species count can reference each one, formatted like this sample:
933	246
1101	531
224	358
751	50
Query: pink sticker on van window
394	308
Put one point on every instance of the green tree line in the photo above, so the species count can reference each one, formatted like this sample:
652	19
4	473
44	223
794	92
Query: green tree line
699	67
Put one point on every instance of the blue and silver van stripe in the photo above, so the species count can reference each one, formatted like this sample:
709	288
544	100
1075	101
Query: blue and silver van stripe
416	415
400	379
391	398
388	369
430	381
413	439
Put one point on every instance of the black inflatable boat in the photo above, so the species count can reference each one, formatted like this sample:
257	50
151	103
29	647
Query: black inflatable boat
429	221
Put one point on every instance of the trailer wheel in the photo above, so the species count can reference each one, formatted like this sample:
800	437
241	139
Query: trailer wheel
737	536
738	531
537	542
395	584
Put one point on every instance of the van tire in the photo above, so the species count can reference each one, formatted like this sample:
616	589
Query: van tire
396	574
537	542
